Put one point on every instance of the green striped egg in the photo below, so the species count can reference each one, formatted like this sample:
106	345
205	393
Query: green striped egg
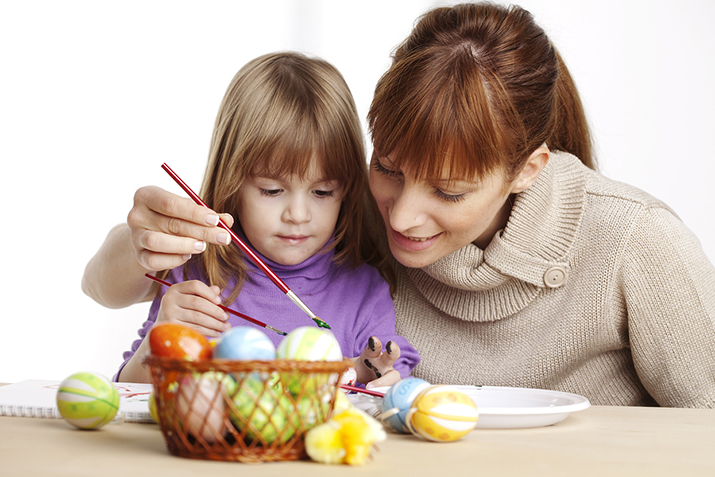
308	343
87	400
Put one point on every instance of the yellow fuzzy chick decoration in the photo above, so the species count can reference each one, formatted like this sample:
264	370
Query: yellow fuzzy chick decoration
347	438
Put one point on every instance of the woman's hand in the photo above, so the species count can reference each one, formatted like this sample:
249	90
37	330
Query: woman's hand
167	229
374	367
194	304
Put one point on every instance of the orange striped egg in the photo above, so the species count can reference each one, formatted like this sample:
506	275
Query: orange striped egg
442	414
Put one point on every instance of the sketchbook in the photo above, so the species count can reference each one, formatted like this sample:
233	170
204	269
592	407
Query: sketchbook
37	398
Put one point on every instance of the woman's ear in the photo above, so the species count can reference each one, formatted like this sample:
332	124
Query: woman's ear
533	167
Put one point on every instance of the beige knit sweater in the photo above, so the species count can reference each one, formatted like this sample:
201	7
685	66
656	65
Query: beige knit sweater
628	318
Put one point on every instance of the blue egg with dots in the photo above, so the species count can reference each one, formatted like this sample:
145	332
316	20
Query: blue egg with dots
244	343
397	402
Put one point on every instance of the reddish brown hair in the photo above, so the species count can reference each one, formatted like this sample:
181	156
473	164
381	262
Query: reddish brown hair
476	88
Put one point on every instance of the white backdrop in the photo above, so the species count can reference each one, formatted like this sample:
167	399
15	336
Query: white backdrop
94	96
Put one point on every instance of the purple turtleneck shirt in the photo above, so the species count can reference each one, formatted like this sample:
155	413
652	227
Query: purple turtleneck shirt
355	302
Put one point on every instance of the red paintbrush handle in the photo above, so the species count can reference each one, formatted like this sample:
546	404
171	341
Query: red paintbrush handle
246	249
225	308
361	390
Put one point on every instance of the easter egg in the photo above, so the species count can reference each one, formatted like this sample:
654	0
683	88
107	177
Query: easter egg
244	343
173	340
200	405
442	414
264	415
308	343
398	400
153	411
349	377
87	400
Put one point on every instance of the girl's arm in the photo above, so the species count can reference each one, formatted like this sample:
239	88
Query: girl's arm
191	303
162	231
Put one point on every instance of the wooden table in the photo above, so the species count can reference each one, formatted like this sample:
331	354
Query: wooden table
600	441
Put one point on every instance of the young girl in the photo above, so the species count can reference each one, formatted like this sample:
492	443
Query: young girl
286	160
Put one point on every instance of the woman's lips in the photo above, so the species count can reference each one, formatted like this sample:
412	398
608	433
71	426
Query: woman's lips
413	244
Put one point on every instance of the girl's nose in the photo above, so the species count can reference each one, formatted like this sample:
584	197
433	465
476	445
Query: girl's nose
296	211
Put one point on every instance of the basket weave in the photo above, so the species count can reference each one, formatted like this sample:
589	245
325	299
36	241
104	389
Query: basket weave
246	411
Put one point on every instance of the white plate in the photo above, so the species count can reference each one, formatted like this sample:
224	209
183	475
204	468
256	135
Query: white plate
502	407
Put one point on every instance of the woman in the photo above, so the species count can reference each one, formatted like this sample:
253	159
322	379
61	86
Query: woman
516	263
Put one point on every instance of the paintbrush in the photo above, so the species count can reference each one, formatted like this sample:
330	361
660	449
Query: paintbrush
250	253
226	309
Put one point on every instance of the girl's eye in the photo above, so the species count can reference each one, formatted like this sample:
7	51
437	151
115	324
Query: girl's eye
378	167
271	192
449	197
324	193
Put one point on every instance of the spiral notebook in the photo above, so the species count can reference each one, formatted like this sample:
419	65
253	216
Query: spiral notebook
37	398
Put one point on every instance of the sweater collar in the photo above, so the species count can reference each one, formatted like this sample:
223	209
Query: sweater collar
486	285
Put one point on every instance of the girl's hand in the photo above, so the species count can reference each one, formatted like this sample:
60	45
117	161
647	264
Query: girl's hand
374	368
194	304
167	229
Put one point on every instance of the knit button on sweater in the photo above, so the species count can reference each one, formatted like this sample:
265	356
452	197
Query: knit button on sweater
629	318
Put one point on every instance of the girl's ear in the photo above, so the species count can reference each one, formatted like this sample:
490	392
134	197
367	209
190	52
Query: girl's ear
533	167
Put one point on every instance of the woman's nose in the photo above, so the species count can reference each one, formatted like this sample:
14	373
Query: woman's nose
406	211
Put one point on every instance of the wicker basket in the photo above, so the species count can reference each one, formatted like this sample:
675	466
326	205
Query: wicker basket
247	411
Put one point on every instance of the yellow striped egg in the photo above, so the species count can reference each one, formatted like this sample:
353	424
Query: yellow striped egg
442	414
87	400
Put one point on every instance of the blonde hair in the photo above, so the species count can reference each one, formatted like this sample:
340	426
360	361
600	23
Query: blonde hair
281	112
476	88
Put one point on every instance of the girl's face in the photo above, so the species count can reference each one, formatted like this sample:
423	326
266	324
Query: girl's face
287	219
427	220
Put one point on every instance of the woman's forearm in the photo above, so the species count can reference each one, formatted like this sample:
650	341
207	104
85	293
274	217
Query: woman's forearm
113	277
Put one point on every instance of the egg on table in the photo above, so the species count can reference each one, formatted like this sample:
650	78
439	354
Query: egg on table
398	400
87	400
442	414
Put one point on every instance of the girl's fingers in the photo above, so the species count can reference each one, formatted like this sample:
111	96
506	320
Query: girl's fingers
195	304
388	379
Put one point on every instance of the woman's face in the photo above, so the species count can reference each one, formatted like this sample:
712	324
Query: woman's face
427	220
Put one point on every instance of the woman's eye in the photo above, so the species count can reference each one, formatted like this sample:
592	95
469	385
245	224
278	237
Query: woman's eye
449	197
271	192
378	167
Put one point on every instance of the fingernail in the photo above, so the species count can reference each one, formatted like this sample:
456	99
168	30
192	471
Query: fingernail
186	257
212	219
369	386
223	238
225	317
388	347
199	246
371	344
227	326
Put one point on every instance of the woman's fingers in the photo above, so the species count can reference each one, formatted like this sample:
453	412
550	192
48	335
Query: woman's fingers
168	229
